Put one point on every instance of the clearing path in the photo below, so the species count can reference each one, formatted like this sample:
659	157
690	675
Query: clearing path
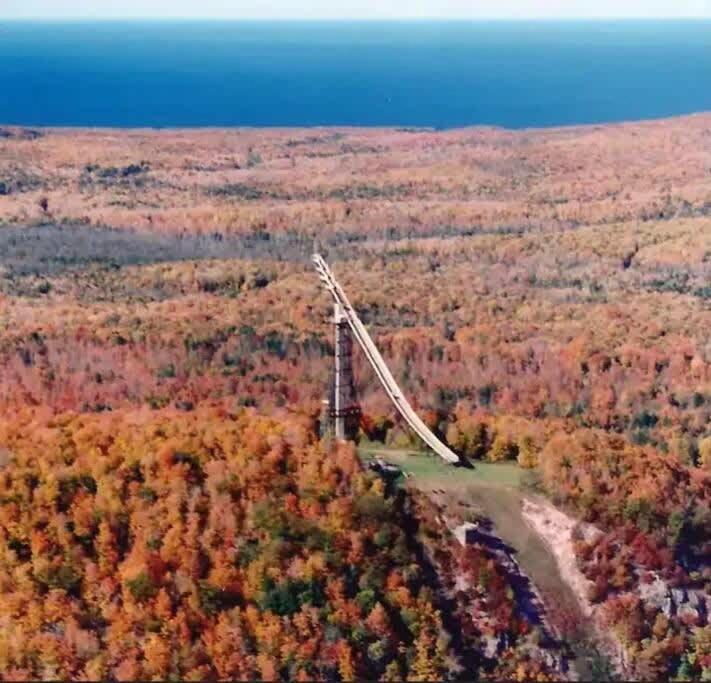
494	488
495	491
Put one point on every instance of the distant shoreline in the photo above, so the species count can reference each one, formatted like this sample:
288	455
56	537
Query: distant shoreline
9	130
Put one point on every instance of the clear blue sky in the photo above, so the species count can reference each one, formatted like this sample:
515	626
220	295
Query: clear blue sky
345	9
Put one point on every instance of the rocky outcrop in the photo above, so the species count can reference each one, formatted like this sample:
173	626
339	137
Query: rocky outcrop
691	605
528	600
557	531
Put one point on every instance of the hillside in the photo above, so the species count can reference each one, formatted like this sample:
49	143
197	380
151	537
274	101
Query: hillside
542	296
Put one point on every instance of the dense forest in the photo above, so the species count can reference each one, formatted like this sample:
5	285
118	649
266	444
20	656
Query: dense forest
225	546
166	510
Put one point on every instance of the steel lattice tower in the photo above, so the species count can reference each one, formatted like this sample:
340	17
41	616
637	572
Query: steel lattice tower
344	407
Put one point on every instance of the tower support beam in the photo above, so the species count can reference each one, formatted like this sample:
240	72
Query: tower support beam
345	411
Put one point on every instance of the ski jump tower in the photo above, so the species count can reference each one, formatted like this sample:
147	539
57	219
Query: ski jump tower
343	407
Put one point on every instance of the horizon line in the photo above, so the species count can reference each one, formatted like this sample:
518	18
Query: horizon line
74	128
328	19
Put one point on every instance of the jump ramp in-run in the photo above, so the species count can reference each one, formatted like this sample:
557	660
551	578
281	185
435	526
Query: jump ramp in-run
376	361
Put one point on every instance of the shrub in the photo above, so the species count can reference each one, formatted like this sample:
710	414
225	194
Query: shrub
527	453
287	597
63	576
502	449
166	371
142	587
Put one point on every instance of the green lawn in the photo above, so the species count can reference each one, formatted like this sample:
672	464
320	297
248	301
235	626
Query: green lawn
433	470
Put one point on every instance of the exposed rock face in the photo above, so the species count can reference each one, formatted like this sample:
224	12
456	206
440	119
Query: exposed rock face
702	603
528	600
491	646
679	595
690	605
469	533
556	529
668	607
655	593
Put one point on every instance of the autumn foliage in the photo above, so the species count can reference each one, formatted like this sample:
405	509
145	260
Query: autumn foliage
542	297
207	546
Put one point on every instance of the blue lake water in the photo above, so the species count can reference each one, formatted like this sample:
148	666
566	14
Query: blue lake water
438	74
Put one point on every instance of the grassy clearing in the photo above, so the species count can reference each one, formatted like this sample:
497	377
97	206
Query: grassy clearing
430	469
493	488
496	490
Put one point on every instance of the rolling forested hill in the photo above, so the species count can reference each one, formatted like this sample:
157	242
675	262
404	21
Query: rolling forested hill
542	296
